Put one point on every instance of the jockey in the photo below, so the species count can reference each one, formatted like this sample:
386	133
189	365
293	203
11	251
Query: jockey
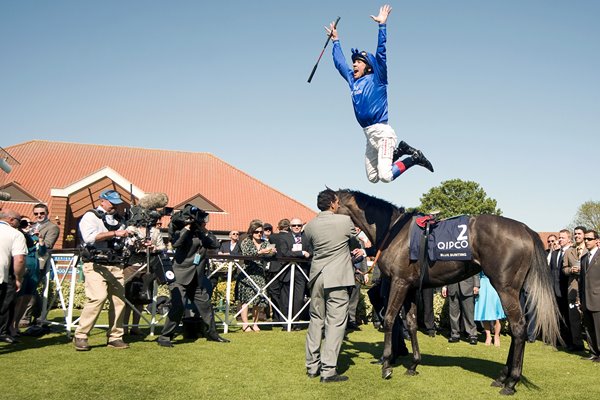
368	84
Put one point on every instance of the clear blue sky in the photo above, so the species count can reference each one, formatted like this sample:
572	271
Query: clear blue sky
503	93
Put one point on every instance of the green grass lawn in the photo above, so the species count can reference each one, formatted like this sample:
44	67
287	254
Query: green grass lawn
270	364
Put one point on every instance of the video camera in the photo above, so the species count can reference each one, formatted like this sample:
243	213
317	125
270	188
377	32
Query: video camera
189	215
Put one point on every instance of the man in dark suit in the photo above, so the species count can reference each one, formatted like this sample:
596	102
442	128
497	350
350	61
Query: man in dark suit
190	243
232	246
331	275
561	283
296	248
283	242
588	290
461	307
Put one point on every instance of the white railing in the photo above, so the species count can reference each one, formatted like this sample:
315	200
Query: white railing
63	265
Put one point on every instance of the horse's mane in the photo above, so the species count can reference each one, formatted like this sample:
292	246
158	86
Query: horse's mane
363	199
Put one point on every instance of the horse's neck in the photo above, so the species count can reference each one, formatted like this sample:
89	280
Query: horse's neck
380	233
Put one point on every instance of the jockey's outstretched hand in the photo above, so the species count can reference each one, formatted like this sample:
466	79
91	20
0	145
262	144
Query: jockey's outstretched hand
332	31
384	12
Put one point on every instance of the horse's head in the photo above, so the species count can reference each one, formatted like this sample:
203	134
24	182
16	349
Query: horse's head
374	216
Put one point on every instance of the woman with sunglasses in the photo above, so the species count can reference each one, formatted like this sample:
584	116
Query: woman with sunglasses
253	275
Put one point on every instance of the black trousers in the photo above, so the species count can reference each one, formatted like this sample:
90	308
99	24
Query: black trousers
378	295
198	292
8	294
591	323
274	293
300	287
425	309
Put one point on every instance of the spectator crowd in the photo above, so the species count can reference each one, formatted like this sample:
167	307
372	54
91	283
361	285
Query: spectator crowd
267	286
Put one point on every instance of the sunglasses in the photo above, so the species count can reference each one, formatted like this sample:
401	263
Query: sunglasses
257	232
235	234
296	226
589	239
551	241
39	213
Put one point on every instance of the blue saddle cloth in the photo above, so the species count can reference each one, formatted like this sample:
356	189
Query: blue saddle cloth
448	240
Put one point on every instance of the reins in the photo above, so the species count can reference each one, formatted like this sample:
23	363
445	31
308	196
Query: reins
384	243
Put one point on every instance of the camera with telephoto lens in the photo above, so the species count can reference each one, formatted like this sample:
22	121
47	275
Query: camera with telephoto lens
189	215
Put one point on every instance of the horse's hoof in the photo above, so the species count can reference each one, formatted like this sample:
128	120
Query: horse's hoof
386	373
411	372
507	391
497	384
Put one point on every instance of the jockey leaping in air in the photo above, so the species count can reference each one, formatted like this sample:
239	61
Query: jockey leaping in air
368	84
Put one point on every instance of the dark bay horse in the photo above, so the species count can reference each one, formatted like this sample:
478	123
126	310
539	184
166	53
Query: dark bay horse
508	252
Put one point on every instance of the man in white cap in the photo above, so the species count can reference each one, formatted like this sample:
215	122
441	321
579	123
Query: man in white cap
101	230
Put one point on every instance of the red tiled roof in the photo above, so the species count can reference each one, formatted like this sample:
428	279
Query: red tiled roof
181	175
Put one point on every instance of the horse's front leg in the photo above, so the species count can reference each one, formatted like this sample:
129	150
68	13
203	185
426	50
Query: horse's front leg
411	322
398	291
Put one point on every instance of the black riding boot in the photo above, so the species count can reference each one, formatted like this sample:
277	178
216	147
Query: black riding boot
402	149
420	159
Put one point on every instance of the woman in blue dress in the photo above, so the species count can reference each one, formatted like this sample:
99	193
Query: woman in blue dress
488	310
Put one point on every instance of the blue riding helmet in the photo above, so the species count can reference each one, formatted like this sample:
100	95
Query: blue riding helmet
362	56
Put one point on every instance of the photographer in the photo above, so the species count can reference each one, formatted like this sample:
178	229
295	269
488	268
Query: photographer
144	244
103	234
191	240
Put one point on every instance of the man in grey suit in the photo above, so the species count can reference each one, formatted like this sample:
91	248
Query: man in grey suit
461	307
331	275
589	281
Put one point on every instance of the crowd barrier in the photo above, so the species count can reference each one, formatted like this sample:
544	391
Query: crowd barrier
65	266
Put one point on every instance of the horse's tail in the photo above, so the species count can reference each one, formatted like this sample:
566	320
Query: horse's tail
539	291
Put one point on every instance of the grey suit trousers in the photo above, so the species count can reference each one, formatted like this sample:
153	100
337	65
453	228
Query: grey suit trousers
328	318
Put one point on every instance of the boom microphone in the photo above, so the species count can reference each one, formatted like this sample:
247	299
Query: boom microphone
4	196
152	201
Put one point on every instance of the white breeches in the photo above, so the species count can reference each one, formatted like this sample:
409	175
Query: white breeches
381	142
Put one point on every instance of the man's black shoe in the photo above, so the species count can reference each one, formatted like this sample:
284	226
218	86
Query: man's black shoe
334	378
311	375
217	338
589	358
402	149
164	341
431	333
8	339
352	326
473	340
421	160
575	348
453	340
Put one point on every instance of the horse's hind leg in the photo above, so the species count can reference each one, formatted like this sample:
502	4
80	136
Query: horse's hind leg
398	291
511	372
411	322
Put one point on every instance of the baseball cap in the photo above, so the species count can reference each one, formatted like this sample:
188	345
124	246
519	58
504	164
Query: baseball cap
112	196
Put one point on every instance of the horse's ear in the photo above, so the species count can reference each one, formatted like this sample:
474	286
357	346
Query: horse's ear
327	188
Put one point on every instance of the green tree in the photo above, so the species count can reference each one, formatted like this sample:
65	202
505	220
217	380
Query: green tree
588	215
456	197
